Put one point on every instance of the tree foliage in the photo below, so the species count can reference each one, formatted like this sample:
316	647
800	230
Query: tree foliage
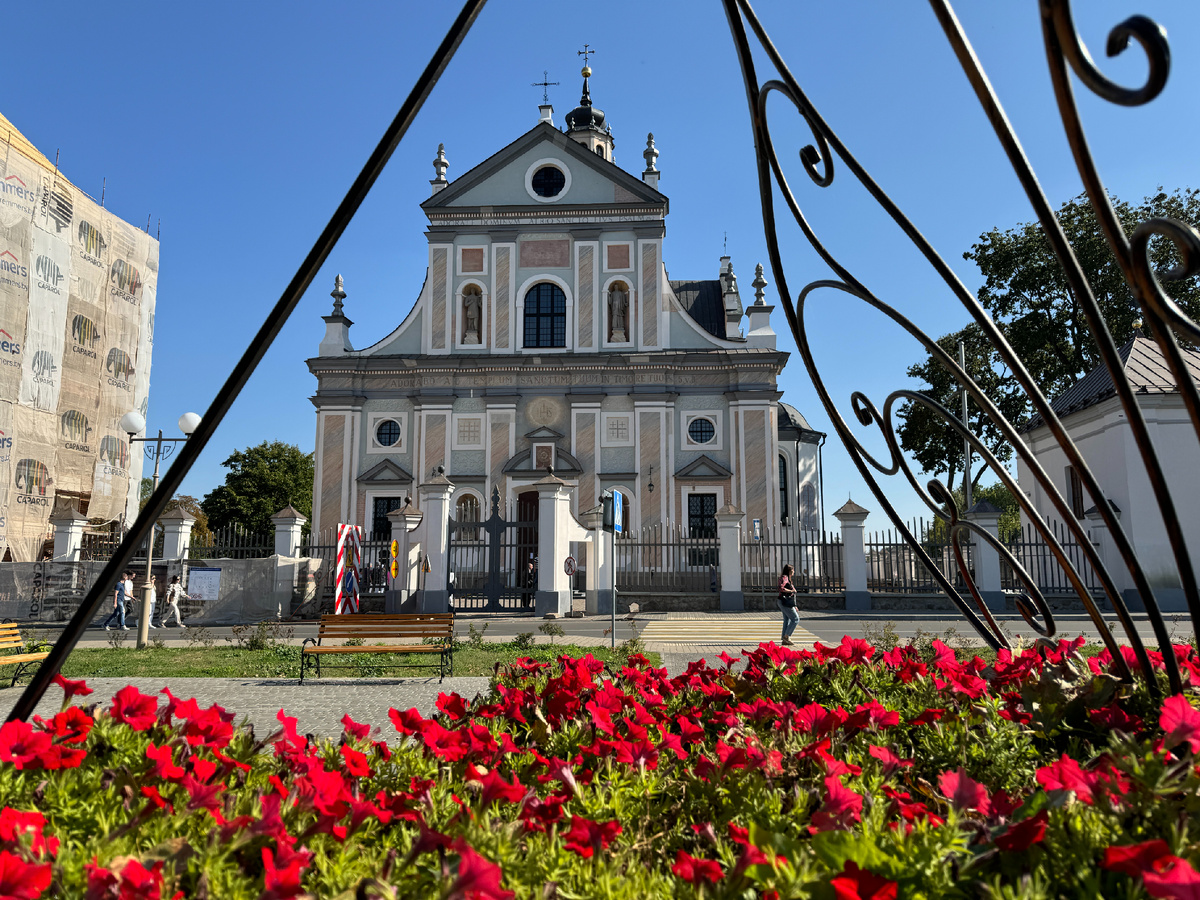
200	530
1026	293
261	481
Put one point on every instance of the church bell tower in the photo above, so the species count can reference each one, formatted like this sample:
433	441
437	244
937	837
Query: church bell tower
585	123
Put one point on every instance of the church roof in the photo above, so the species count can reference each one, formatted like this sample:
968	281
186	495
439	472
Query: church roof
1145	367
702	301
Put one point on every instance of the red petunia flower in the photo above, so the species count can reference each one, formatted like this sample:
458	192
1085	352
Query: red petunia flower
841	809
72	688
354	729
356	761
964	792
280	883
20	880
137	710
1180	721
26	748
1134	859
1172	878
859	884
1066	774
408	722
695	871
15	825
101	883
453	705
140	883
478	878
1024	834
586	836
71	726
164	762
891	762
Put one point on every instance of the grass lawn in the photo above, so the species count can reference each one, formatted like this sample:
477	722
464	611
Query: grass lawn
283	661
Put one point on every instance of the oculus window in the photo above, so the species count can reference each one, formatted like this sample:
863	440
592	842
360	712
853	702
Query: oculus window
548	181
387	434
545	316
701	430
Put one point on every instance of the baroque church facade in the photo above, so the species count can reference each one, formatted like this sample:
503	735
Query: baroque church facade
548	333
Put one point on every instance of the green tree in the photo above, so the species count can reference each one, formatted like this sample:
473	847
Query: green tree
261	481
999	496
201	533
1026	293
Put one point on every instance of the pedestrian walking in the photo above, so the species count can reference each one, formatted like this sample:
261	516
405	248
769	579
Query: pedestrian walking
153	600
174	595
118	612
529	586
787	604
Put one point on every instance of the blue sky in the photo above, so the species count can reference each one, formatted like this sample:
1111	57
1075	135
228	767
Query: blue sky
240	126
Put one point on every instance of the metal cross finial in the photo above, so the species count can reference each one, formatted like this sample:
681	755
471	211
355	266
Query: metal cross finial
544	84
585	52
725	243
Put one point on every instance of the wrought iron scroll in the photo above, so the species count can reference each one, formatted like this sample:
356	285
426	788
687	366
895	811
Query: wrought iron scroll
1063	48
249	360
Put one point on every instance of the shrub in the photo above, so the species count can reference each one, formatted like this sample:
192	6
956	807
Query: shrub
838	772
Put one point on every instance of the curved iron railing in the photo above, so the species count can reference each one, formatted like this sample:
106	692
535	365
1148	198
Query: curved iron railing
1063	48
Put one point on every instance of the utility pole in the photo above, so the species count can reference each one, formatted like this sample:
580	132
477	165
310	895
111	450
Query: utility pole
962	364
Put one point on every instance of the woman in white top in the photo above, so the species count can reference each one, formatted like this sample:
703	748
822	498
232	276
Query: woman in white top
153	598
174	595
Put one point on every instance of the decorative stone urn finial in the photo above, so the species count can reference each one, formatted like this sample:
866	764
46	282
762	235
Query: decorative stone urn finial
758	284
338	295
440	165
650	154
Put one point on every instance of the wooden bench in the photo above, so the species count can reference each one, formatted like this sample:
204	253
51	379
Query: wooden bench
373	629
10	639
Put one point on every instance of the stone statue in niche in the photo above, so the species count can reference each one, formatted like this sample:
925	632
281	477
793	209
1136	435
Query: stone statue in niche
472	313
618	312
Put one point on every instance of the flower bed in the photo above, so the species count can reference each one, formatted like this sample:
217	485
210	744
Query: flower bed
840	773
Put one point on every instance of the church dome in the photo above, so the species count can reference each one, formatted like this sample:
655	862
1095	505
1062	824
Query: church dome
585	116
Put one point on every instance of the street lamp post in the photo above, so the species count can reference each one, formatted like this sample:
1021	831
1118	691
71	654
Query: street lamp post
133	424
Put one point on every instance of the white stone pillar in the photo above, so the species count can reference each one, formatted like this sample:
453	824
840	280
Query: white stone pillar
1107	550
289	524
729	556
599	564
404	521
177	532
553	595
854	556
68	534
434	497
986	557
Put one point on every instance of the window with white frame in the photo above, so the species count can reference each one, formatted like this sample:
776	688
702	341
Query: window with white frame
387	433
468	432
618	431
702	430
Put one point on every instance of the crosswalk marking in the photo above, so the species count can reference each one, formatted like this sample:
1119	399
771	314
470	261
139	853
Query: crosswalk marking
728	634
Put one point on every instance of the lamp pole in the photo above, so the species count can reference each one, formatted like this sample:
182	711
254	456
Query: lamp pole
133	423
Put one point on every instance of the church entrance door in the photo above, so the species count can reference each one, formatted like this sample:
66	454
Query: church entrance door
489	559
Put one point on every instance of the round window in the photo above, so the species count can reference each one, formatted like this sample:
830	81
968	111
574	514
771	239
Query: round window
388	433
701	431
548	181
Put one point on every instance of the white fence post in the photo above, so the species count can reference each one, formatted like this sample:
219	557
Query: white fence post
435	504
599	565
985	557
68	533
177	532
729	550
553	595
289	524
404	521
854	556
1117	570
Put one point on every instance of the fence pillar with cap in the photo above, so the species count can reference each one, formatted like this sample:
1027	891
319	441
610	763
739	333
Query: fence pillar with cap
177	532
404	521
434	497
854	556
598	566
289	524
68	525
554	546
986	558
729	556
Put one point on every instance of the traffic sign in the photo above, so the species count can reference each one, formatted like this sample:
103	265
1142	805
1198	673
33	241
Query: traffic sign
395	549
756	529
395	568
618	511
569	565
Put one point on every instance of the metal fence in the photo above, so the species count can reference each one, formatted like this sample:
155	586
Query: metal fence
816	557
894	567
233	542
666	559
1035	555
376	557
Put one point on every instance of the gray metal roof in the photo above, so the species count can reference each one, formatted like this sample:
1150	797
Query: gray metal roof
790	417
702	301
1144	366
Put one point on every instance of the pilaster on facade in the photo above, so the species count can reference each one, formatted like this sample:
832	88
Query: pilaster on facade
504	287
586	424
590	306
438	337
650	329
651	419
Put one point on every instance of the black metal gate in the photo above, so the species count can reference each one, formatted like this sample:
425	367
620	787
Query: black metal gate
490	561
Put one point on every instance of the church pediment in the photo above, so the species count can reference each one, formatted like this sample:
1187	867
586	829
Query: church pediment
565	465
544	434
386	472
502	179
704	468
